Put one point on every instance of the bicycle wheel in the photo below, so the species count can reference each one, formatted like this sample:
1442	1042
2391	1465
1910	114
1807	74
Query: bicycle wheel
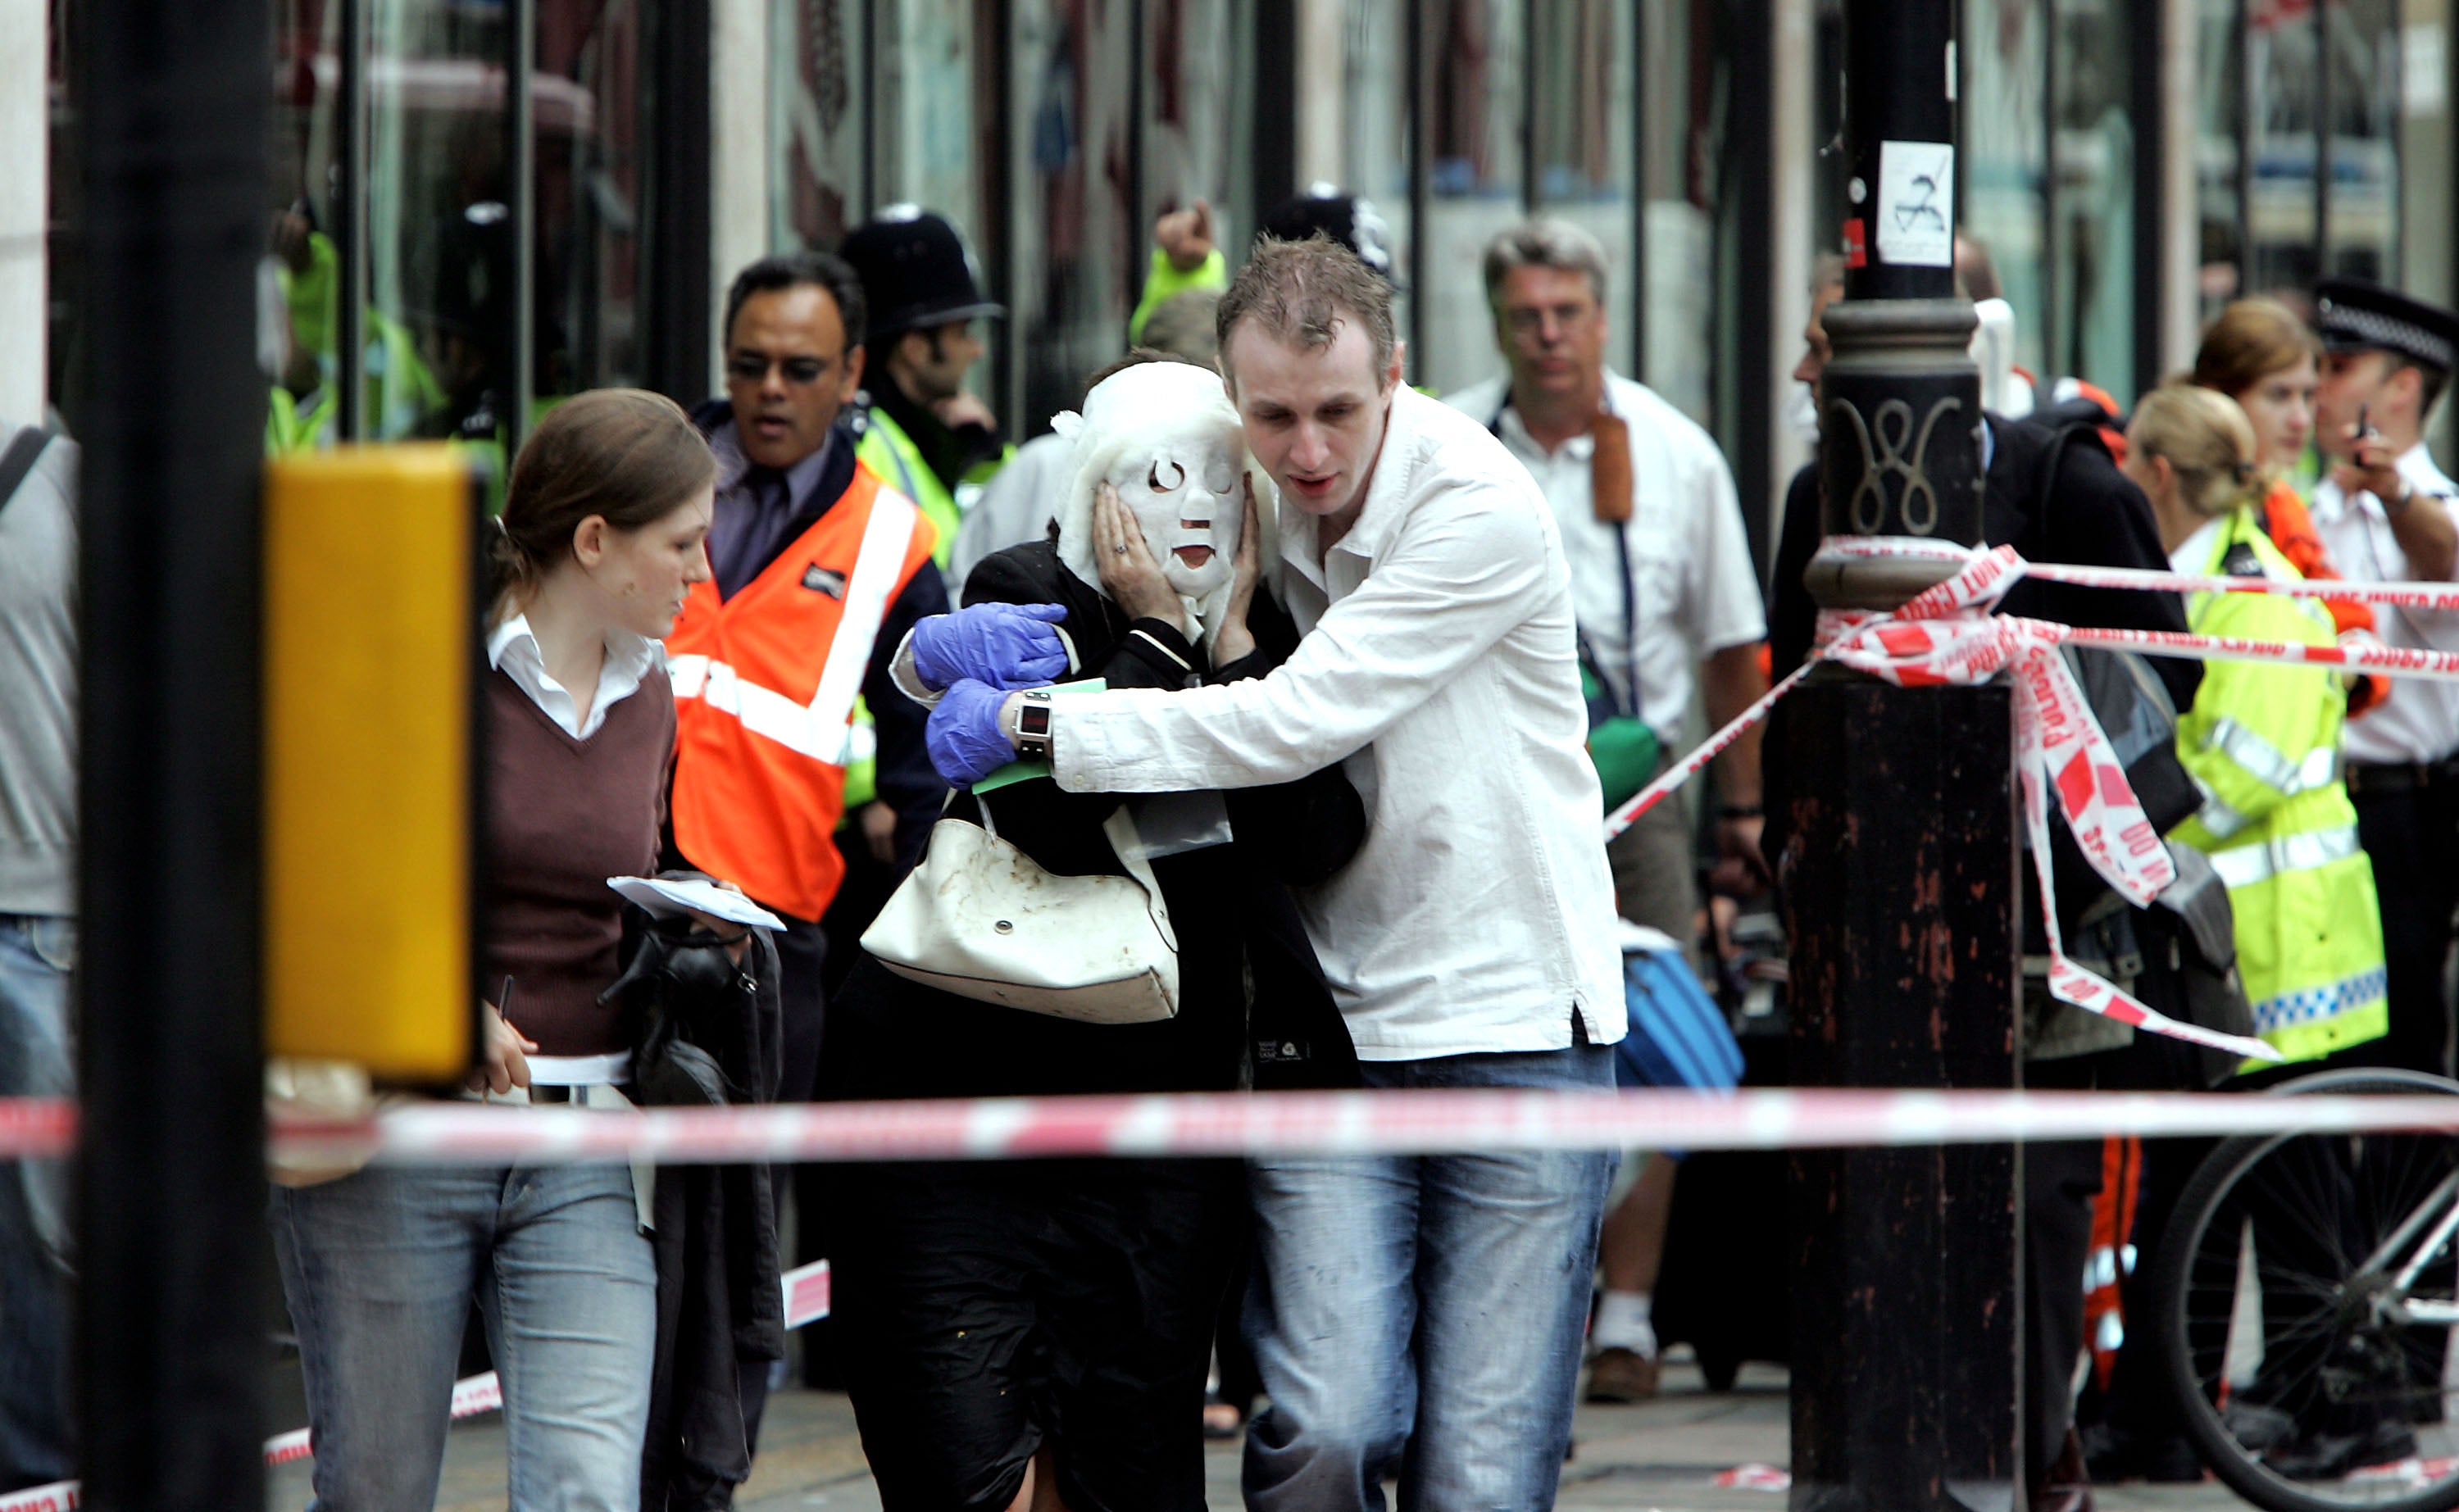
2308	1287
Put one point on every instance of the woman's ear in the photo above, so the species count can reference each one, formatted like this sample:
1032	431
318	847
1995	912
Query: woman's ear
589	540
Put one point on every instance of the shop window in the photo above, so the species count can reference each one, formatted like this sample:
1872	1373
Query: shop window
1078	244
2094	197
2283	82
1582	113
1475	70
1198	114
819	96
2219	198
2005	162
1686	103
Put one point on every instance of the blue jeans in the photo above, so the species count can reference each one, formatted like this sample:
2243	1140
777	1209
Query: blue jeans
379	1269
1431	1305
36	1443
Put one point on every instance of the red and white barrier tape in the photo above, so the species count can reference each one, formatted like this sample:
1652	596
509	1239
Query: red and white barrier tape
1945	636
2402	594
1393	1123
807	1301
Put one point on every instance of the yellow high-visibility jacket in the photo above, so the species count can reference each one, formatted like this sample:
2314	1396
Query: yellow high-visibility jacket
2262	742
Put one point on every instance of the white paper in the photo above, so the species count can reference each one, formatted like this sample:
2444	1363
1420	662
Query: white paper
672	900
1915	216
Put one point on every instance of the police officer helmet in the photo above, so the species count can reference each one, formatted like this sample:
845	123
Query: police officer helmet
917	273
1348	218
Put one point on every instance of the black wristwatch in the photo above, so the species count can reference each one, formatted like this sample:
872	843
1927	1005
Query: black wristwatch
1033	725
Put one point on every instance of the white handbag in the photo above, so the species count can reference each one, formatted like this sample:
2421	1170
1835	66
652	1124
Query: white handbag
980	918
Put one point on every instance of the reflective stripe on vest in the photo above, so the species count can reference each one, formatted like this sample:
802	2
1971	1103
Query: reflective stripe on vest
820	728
2247	865
2263	761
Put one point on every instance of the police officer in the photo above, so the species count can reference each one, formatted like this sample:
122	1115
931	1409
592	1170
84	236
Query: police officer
2387	512
925	435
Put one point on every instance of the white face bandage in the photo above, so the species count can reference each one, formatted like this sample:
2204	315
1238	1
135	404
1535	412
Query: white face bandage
1184	493
1164	437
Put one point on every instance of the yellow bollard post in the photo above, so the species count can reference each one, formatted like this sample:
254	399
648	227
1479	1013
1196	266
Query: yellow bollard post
372	662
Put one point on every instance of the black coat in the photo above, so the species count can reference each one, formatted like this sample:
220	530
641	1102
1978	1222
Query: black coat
1251	1000
705	1033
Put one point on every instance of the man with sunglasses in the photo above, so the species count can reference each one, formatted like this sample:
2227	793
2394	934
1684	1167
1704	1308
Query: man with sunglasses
820	569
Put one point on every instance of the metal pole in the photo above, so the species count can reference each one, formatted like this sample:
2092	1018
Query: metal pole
350	225
1900	860
520	205
172	1322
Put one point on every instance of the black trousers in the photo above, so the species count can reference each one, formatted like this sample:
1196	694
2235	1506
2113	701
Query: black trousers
2060	1181
2411	835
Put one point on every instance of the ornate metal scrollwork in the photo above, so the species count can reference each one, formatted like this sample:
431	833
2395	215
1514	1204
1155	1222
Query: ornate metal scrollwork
1893	423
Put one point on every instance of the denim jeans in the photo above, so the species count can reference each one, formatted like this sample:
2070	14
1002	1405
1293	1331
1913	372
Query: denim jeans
379	1269
1425	1311
36	1442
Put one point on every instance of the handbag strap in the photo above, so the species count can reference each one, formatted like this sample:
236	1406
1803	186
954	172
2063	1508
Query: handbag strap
23	449
1129	843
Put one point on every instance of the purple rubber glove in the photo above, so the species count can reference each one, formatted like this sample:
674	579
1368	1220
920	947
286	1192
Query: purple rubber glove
1004	645
964	738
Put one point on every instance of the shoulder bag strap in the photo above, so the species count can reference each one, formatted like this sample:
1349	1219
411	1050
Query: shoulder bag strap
24	451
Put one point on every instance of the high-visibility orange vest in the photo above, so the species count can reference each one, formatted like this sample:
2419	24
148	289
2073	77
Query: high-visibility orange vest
765	689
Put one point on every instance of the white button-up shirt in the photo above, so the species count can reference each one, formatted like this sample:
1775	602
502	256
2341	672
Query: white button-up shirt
1438	666
2420	721
513	649
1691	590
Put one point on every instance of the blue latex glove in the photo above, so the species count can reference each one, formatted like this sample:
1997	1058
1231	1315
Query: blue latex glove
964	738
1004	645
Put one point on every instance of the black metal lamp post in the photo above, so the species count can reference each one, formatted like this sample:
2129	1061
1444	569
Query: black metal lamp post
170	106
1900	859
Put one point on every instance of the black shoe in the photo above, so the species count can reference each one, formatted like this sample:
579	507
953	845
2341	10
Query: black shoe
2329	1457
2112	1454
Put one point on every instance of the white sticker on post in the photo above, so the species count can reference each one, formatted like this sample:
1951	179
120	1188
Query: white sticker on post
1915	216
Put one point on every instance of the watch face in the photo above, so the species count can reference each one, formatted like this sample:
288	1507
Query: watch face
1033	718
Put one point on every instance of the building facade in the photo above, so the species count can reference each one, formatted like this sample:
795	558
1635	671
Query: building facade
2129	166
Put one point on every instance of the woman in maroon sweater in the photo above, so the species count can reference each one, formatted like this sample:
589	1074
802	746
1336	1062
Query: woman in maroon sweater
601	538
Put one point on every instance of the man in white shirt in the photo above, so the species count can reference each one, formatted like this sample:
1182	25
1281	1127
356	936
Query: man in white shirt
1430	1304
2387	512
1668	604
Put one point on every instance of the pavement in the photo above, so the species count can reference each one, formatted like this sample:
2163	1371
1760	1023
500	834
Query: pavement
1665	1456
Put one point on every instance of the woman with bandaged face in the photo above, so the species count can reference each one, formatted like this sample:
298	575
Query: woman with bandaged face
1018	1330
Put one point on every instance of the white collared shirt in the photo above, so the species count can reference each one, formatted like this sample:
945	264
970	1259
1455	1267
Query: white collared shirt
1438	668
2420	721
514	650
1692	590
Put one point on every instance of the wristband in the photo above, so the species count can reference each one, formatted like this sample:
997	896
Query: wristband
1033	725
1741	810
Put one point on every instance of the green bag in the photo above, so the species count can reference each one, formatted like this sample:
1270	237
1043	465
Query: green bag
1623	749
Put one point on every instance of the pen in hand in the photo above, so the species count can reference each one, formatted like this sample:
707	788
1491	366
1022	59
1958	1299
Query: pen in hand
504	1064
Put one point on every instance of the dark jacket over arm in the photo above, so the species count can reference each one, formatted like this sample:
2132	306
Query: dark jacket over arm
907	781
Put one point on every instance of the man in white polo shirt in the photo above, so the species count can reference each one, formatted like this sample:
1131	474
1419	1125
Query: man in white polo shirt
1432	1304
2388	513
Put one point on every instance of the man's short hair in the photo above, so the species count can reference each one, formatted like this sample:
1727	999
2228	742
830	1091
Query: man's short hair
1544	243
800	270
1302	291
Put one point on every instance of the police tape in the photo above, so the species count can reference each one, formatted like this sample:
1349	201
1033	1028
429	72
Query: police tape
1947	634
1415	1121
2400	595
805	1293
